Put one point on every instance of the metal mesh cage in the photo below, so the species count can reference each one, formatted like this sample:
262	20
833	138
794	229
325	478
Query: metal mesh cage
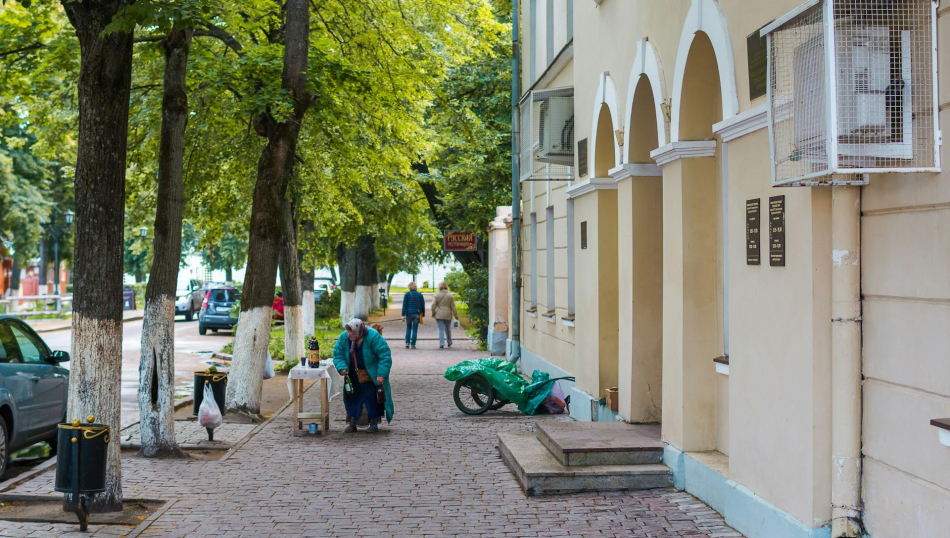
872	64
547	135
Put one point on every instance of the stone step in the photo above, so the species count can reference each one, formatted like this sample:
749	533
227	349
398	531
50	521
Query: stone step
540	474
601	443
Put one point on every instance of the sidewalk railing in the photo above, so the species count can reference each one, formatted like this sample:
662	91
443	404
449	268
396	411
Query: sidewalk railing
36	305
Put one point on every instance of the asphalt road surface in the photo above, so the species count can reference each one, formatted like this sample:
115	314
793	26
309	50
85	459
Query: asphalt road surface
192	353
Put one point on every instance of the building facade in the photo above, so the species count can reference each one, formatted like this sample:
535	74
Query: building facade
794	342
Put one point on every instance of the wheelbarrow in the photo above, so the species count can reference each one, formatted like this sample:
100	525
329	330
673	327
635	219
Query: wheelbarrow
474	395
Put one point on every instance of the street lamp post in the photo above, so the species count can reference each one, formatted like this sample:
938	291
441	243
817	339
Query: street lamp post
56	231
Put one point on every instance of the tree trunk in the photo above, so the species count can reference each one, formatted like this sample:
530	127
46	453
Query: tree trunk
15	277
290	285
228	275
95	372
44	262
346	259
139	277
365	276
157	363
306	285
273	173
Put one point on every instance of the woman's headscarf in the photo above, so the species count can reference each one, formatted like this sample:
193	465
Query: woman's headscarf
356	330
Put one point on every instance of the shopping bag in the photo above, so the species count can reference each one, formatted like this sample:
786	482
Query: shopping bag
269	367
209	415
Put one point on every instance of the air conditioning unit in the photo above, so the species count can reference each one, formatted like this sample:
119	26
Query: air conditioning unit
556	131
853	91
546	132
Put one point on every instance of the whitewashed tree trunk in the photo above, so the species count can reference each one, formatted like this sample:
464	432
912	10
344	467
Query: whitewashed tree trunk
95	389
247	363
156	393
363	301
347	306
294	346
309	326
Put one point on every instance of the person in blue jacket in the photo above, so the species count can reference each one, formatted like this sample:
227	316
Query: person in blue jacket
362	348
413	307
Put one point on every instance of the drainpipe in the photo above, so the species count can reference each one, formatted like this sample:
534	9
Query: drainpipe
846	361
515	351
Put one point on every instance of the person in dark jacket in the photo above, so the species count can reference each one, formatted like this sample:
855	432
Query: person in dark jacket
413	308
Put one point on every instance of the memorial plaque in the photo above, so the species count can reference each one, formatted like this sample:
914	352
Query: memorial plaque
777	231
752	232
582	158
758	51
584	234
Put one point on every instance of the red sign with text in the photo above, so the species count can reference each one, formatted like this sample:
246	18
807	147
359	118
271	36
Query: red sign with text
458	241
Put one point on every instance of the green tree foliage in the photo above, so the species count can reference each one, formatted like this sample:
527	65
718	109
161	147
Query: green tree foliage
472	288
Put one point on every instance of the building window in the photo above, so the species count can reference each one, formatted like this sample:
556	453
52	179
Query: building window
549	33
534	261
533	41
549	229
570	20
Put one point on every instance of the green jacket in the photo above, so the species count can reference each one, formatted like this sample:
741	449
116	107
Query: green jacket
376	356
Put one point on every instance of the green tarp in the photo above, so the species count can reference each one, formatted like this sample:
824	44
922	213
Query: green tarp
503	376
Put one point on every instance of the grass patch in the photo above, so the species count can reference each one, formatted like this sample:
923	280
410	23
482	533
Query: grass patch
397	289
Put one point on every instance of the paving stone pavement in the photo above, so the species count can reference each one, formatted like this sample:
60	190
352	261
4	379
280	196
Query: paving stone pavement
432	472
190	434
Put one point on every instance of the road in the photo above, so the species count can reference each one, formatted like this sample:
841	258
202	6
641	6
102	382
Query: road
192	353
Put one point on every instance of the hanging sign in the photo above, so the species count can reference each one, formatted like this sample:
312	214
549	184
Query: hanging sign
752	232
459	241
777	231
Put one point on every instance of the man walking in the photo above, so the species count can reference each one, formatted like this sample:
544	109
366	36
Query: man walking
413	307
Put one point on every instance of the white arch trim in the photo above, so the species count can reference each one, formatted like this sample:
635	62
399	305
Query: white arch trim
705	16
646	64
606	95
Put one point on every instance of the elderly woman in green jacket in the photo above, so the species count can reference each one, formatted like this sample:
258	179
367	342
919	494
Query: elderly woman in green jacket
358	349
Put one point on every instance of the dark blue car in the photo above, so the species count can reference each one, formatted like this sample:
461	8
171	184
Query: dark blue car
33	389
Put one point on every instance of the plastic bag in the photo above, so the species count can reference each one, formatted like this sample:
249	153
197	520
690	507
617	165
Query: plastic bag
209	415
269	367
554	404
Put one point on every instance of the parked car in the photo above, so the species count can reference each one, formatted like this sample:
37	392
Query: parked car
278	307
321	287
33	389
188	299
216	310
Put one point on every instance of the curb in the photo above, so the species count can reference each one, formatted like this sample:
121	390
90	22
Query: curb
144	525
29	475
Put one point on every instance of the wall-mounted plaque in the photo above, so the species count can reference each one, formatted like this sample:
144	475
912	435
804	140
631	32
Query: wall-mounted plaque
752	232
582	158
777	231
584	234
758	65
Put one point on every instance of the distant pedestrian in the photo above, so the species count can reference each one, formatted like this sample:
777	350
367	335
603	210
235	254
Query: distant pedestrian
363	354
413	308
443	311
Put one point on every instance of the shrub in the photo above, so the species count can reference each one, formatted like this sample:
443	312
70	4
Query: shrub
472	288
329	306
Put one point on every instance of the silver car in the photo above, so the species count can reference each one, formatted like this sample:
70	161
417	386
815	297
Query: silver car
188	299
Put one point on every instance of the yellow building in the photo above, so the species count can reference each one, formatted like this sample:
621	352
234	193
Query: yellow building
794	342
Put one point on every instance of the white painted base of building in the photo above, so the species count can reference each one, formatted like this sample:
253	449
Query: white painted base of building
584	407
742	509
497	342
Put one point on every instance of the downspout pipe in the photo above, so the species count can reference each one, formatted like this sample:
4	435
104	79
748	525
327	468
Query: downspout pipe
846	362
515	346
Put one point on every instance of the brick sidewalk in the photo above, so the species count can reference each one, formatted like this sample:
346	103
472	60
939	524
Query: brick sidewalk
432	472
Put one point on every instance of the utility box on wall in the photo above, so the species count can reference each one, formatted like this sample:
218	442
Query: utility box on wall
853	91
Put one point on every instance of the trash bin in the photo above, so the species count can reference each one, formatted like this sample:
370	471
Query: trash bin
383	300
219	386
128	298
81	463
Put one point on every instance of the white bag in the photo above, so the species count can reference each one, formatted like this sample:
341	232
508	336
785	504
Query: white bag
269	367
209	415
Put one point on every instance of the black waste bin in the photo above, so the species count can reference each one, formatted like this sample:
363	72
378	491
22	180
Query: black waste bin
128	298
81	459
219	386
383	300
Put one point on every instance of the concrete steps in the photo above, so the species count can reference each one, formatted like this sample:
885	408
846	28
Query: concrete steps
574	457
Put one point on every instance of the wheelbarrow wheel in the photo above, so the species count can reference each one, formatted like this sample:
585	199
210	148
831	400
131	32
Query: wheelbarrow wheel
473	395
